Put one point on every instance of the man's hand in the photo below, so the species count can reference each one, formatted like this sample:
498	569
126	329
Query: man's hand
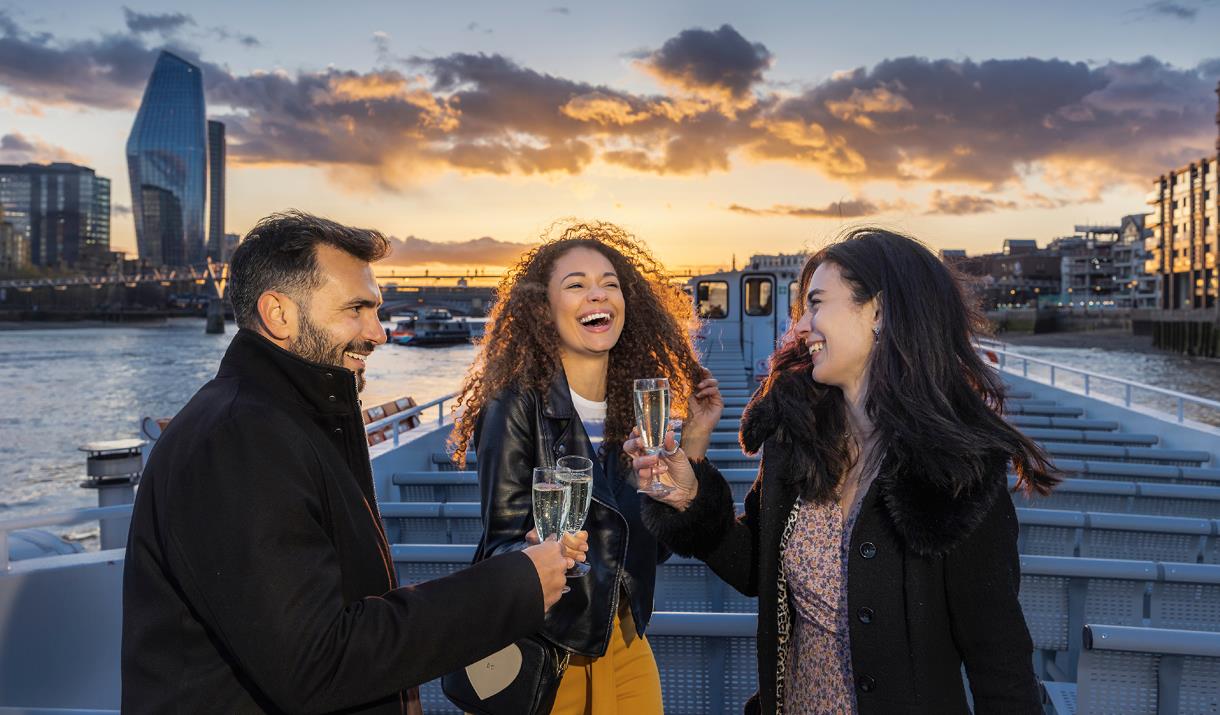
550	563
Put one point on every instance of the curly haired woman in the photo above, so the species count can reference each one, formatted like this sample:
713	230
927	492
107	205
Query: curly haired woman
577	320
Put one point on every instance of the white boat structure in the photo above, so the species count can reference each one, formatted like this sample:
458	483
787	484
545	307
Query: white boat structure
1120	566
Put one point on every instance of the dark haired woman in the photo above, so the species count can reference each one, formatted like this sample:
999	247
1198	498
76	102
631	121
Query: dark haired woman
879	535
578	319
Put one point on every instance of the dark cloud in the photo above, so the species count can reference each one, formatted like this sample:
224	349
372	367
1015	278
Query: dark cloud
15	143
107	73
965	204
560	10
164	24
848	208
476	27
1171	9
224	33
8	27
17	148
720	61
485	251
994	124
120	209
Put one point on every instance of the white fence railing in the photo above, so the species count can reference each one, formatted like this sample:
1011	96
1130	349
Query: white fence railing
1007	361
395	420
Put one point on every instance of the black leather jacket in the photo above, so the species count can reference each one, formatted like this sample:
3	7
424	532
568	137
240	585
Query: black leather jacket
520	430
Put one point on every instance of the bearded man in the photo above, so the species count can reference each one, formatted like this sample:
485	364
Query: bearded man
258	578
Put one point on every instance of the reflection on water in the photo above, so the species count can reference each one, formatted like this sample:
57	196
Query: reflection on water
61	388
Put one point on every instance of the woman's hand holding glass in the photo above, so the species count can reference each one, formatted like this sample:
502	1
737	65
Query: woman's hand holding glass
671	467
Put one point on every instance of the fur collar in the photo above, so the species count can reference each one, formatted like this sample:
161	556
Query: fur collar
934	500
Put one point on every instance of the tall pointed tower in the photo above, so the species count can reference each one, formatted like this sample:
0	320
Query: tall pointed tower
167	157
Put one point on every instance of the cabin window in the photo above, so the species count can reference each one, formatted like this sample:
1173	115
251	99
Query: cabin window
758	296
712	300
794	297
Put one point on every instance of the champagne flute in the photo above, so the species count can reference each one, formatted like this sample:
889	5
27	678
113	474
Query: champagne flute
577	473
551	503
652	417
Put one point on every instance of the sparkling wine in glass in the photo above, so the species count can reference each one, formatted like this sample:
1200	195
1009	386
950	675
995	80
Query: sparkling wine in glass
551	502
652	417
577	473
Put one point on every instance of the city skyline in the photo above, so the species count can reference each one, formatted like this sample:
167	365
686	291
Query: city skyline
708	131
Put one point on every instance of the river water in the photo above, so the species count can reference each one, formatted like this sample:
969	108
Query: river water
62	388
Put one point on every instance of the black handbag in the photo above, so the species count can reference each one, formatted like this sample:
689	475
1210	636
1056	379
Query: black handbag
521	679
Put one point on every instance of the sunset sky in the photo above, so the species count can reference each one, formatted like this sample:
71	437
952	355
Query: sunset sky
707	128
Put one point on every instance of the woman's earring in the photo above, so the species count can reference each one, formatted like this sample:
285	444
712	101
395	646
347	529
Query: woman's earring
876	333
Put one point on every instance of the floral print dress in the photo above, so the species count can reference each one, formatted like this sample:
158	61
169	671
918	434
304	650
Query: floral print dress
819	677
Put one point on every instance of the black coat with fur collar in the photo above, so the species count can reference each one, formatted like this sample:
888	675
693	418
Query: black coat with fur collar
932	578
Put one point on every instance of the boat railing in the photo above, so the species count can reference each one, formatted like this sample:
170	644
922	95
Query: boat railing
62	518
79	516
1008	361
395	420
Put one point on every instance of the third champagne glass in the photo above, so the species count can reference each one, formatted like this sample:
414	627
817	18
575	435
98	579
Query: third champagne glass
577	473
652	417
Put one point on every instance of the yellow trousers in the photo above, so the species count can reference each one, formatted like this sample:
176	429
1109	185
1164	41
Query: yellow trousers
624	681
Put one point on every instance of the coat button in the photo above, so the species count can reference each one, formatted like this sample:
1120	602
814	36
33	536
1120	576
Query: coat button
332	398
866	684
560	449
338	431
868	549
330	376
865	615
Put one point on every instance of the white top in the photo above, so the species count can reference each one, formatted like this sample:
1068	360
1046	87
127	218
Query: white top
592	416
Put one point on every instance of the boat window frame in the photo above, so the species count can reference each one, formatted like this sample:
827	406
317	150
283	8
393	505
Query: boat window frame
745	296
700	300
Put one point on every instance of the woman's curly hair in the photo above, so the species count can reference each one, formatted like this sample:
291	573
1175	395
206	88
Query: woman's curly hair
520	348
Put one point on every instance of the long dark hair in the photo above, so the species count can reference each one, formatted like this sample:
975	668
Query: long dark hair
521	344
935	406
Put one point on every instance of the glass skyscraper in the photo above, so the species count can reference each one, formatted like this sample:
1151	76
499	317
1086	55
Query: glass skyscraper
216	190
167	157
60	211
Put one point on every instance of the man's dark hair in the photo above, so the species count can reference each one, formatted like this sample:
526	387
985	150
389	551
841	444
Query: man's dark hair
281	253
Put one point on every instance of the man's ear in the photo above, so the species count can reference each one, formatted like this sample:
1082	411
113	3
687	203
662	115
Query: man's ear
279	316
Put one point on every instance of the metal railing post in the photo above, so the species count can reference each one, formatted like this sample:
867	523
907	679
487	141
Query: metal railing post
1086	384
1127	399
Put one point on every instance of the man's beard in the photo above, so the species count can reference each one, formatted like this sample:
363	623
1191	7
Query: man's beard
311	344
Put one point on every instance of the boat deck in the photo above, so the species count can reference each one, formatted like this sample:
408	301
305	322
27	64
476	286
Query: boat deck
1120	567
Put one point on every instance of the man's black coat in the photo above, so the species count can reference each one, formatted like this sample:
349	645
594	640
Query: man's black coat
258	577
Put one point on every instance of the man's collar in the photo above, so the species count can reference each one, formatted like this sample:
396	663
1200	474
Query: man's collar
328	389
